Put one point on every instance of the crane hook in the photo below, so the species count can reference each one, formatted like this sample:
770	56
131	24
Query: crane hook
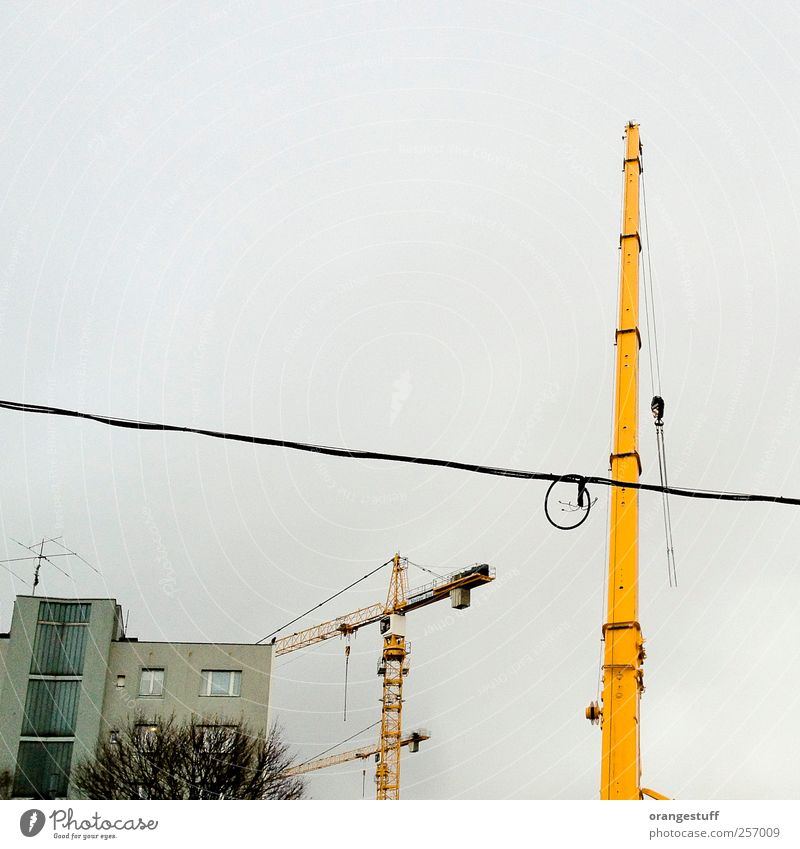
657	409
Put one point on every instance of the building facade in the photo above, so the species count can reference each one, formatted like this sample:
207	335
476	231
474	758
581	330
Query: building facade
70	677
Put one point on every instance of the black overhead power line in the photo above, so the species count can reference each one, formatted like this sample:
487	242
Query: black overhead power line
475	468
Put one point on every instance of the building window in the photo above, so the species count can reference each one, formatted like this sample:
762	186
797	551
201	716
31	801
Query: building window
71	612
146	735
60	641
221	682
42	770
151	682
51	707
216	738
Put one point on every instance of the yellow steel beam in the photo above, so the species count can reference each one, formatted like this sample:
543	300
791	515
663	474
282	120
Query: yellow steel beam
351	622
387	772
654	794
355	754
623	656
338	627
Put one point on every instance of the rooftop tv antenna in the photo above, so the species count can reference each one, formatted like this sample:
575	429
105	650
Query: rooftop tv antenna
38	554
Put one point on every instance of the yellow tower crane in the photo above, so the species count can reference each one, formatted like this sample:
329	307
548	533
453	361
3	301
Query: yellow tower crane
394	664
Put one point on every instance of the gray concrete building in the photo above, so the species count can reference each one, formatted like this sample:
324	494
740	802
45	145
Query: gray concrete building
69	677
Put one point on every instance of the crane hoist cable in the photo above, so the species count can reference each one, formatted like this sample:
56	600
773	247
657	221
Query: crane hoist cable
657	404
657	408
649	285
346	670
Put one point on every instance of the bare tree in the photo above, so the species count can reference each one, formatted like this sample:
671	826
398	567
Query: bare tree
195	760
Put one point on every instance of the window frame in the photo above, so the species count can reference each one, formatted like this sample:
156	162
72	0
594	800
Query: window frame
51	707
234	683
227	729
146	734
151	669
45	776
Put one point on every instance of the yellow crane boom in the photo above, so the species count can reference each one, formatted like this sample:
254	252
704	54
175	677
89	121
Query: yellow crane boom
412	741
623	674
341	626
456	586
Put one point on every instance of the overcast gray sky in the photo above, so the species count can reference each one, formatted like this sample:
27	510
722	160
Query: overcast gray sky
395	226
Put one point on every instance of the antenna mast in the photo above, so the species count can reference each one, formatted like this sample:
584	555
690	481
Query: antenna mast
39	555
38	567
624	650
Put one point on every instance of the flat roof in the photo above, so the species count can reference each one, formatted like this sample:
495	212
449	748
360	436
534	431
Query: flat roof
137	642
72	598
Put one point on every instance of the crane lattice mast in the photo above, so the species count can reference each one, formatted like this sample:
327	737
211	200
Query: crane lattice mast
393	666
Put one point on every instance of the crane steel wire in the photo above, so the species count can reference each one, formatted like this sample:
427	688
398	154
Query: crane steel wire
655	387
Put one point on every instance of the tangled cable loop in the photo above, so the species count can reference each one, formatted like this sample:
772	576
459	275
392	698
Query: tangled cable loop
584	501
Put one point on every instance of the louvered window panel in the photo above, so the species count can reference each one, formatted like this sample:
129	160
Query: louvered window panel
42	770
51	708
58	649
67	612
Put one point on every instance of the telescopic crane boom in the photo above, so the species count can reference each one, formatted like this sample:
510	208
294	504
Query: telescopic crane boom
623	673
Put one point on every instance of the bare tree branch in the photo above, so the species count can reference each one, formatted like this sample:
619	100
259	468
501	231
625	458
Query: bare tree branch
194	760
